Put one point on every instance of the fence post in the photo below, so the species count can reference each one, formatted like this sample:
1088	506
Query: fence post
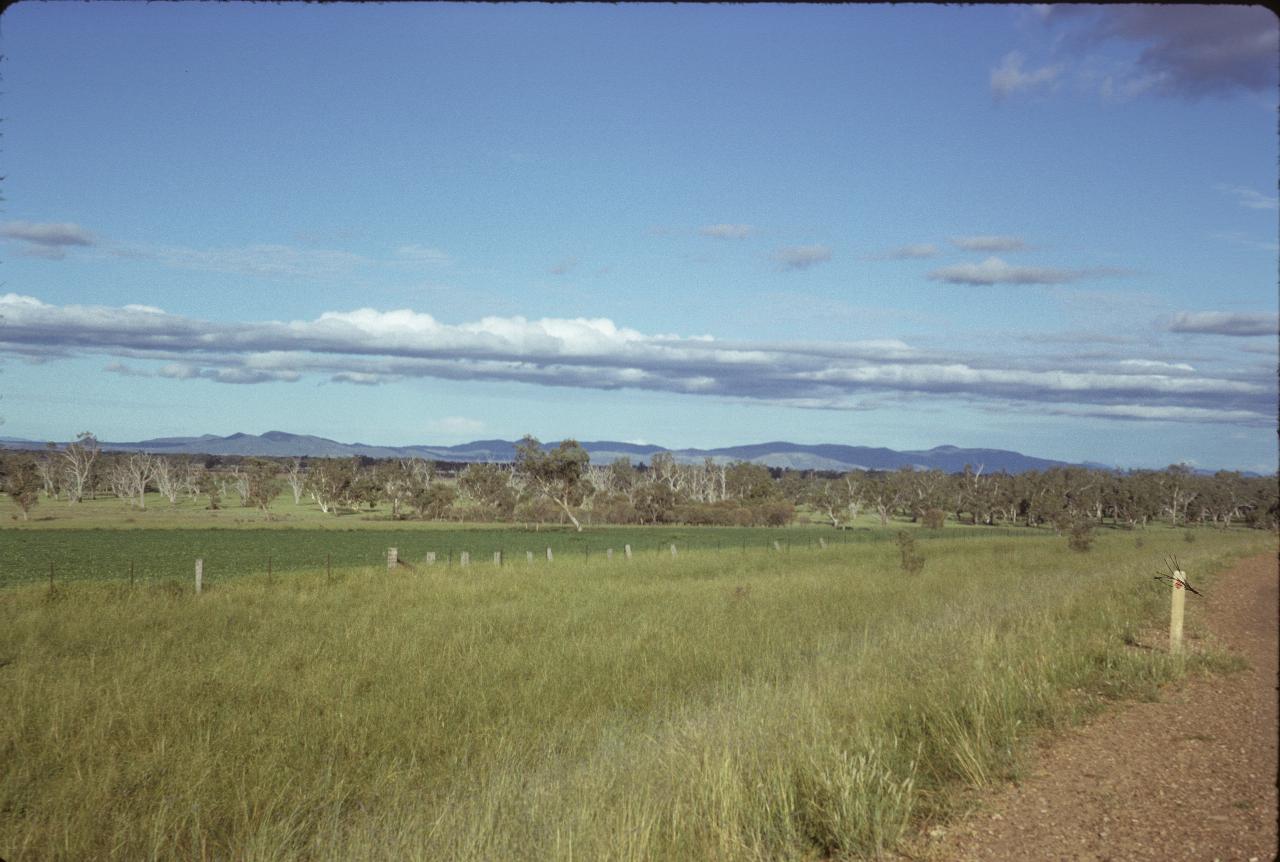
550	558
431	558
1176	610
199	575
328	567
464	559
528	557
608	554
777	546
626	549
822	543
673	550
393	557
131	573
497	558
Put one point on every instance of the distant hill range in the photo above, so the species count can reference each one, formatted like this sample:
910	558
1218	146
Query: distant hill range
797	456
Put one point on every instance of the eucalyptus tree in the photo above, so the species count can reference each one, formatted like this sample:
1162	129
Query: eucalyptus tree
832	498
489	486
262	484
77	463
23	484
559	475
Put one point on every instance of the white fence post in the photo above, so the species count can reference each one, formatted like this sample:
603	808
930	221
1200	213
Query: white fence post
608	554
393	557
465	559
626	549
673	551
199	575
528	557
1176	611
550	558
497	558
431	558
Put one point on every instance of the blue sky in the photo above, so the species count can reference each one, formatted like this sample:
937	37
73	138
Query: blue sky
1049	229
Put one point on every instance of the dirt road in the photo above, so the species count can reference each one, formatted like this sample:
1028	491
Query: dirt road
1191	777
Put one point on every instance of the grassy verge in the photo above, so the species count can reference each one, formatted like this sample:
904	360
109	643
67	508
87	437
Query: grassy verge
710	708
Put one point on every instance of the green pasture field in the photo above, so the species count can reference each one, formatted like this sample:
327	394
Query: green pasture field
108	539
719	707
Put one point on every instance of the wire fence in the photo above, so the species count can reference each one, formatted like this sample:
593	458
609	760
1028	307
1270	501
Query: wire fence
143	555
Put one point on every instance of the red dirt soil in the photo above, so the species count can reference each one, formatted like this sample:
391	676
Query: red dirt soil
1190	777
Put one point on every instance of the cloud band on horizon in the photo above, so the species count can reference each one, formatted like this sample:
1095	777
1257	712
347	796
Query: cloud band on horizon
367	347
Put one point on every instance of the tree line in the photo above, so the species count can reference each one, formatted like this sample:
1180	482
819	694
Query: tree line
562	485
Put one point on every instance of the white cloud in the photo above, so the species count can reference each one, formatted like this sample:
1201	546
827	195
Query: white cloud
1226	323
47	233
267	260
1157	365
125	370
993	270
1009	78
48	240
359	378
179	371
1250	198
422	254
456	426
988	243
1190	50
727	231
366	346
801	256
914	251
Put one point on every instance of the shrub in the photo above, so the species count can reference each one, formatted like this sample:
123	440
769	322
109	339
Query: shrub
934	519
912	562
1081	537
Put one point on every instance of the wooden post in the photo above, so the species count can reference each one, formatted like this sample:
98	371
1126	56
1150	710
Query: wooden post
199	576
608	554
497	558
626	549
1175	619
822	543
431	558
464	559
528	558
673	551
550	558
328	567
776	545
393	557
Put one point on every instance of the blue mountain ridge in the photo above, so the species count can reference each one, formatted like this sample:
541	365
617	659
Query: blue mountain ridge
823	456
